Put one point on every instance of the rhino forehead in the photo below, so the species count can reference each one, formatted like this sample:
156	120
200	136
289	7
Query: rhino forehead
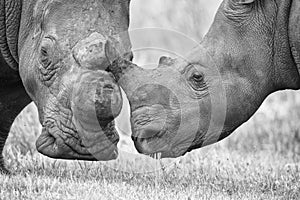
115	9
71	21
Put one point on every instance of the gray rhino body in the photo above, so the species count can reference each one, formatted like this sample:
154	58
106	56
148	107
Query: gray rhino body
251	50
52	53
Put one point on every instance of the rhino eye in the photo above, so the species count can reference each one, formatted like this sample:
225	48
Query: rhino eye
44	57
197	81
198	77
46	52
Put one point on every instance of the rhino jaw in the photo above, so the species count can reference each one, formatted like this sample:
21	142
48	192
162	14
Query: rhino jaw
90	135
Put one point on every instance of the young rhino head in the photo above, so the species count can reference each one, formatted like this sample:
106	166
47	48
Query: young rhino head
61	64
187	104
171	106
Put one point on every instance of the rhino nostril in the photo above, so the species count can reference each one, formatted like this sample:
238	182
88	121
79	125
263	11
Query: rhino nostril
108	86
148	133
135	139
137	143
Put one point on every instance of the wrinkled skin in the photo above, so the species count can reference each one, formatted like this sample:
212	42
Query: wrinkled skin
62	64
188	103
52	52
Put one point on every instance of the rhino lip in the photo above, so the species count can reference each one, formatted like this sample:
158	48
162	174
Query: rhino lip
156	155
52	143
142	127
137	138
146	145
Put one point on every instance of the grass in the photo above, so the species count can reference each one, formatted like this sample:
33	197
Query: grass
261	160
217	174
229	175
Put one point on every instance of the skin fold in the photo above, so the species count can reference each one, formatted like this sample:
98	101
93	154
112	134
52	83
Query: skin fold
250	51
294	32
53	53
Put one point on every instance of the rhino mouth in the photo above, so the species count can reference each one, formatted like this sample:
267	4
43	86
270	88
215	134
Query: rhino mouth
56	143
61	142
152	145
148	128
151	129
158	145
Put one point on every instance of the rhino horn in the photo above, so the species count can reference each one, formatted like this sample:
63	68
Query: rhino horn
119	64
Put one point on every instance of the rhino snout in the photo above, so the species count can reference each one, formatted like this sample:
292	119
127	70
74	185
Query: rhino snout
96	98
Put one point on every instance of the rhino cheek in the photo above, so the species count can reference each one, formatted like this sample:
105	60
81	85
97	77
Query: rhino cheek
94	100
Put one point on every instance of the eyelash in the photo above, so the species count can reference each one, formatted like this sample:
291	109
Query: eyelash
44	59
46	51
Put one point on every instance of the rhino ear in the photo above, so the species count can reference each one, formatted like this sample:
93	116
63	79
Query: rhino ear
166	61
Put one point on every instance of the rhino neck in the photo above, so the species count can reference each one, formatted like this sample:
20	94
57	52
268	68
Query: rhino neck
294	32
10	15
285	67
277	69
285	70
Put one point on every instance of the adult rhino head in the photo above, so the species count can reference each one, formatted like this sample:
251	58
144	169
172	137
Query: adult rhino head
251	50
62	62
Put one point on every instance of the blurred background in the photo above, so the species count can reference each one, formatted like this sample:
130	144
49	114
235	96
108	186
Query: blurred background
274	128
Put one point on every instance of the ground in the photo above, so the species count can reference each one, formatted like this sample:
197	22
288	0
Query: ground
217	175
261	160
